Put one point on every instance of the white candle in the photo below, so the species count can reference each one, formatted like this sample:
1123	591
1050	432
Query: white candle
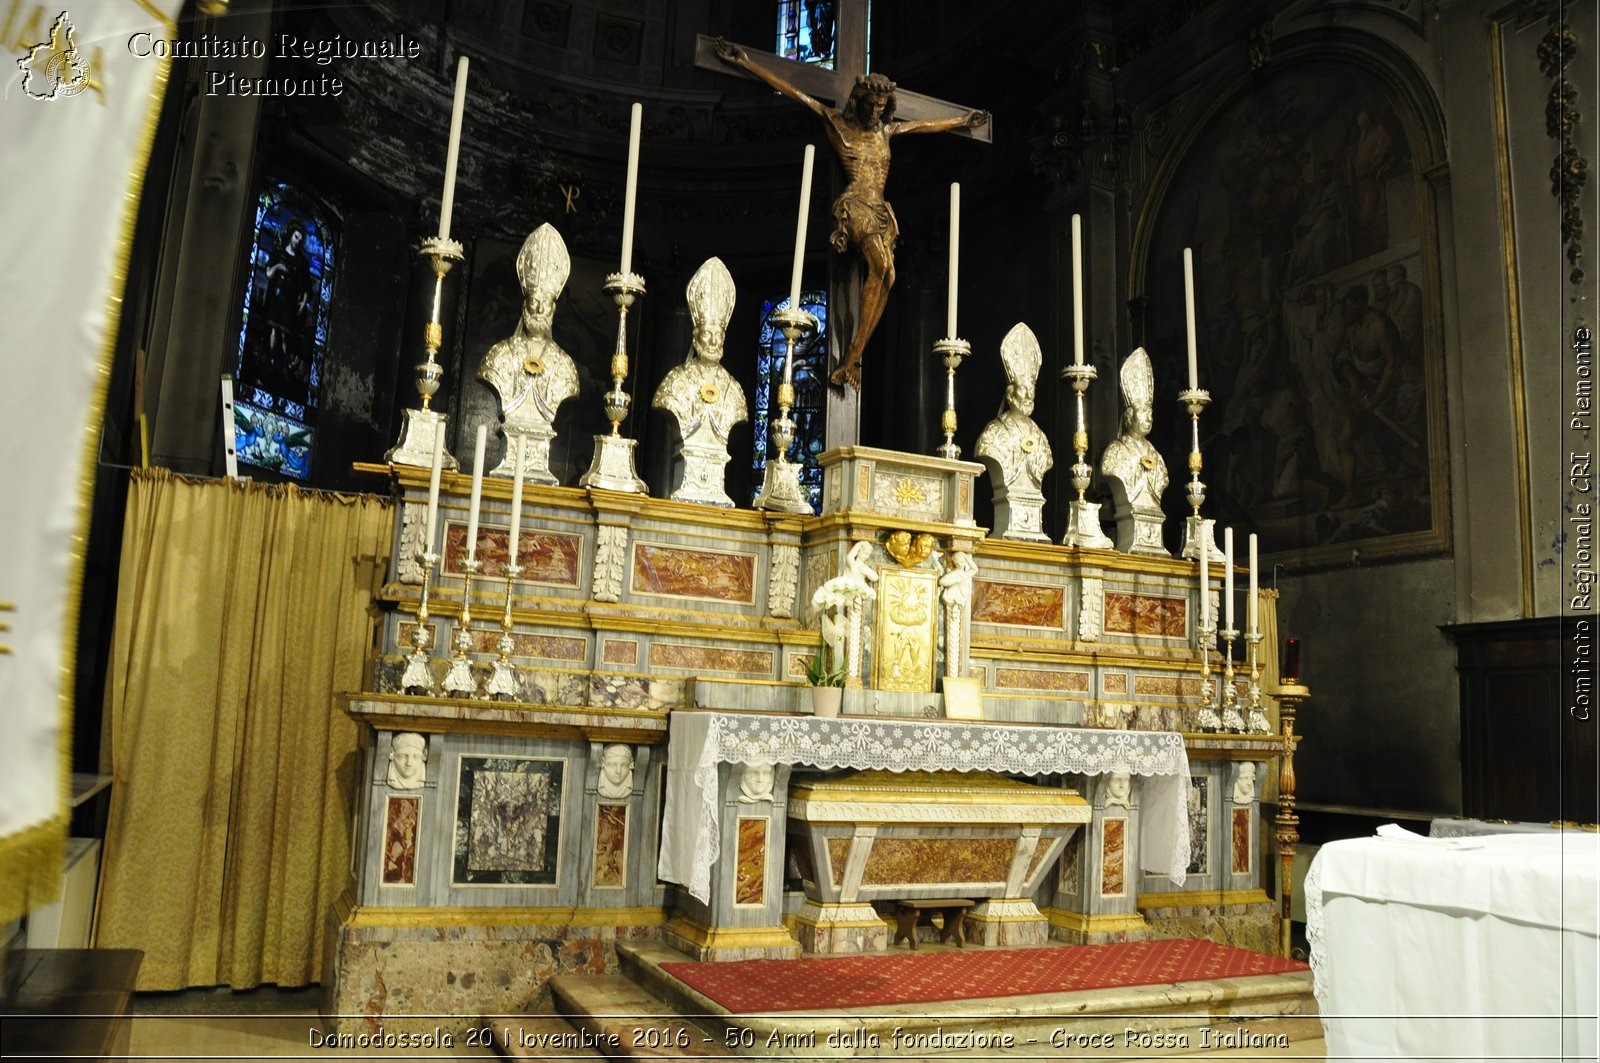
447	202
432	523
955	256
1077	290
633	184
516	500
1188	303
1255	628
1205	574
800	228
1227	579
477	494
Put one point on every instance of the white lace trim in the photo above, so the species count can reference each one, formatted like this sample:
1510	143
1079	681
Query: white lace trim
896	745
1315	941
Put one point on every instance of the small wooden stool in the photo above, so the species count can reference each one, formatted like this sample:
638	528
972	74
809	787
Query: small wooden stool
911	913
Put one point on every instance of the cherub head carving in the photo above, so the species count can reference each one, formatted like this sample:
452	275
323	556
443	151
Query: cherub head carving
542	268
1020	354
408	759
711	294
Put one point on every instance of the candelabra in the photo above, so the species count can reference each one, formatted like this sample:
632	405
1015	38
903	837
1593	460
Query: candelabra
1083	517
953	350
1206	718
1194	400
418	675
1231	721
421	425
1290	694
612	468
1256	719
502	684
780	484
459	680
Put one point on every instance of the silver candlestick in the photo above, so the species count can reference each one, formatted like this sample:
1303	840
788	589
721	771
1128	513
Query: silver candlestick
418	675
1206	718
1083	517
459	680
422	425
953	351
1195	400
502	685
612	468
780	482
1256	719
1232	722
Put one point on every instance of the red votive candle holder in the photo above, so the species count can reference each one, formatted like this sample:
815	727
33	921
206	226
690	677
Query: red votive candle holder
1289	663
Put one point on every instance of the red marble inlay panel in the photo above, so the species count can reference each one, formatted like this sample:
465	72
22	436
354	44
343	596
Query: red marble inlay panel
895	860
1241	841
400	841
545	556
611	846
1022	604
1042	679
1140	614
1113	843
694	573
711	659
525	643
750	874
620	651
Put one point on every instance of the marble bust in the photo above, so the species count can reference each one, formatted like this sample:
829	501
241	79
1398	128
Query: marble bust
1244	784
616	771
1013	448
704	398
755	785
529	371
408	761
1133	467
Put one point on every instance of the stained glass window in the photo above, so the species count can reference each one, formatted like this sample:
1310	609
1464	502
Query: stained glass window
283	336
807	30
810	373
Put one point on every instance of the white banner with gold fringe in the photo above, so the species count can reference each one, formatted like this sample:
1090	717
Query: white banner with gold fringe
78	113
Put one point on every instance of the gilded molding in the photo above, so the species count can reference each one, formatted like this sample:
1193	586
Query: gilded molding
366	916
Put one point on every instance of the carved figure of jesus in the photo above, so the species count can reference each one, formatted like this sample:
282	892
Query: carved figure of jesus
863	219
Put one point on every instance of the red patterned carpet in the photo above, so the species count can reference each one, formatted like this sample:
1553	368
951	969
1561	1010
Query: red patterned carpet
923	977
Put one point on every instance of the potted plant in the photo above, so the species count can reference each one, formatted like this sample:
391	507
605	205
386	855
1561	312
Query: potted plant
825	673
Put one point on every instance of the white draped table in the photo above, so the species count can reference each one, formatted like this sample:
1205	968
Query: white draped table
699	741
1479	948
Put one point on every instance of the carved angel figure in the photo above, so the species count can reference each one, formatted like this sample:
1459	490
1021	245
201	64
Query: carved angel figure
955	586
832	601
529	371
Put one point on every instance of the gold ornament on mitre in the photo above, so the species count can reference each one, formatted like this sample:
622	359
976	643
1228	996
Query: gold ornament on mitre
1138	380
543	264
1020	353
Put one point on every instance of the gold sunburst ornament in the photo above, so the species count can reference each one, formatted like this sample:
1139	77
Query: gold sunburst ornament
909	493
710	393
533	364
1148	461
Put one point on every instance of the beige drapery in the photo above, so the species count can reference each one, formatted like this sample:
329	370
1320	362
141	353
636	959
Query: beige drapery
241	611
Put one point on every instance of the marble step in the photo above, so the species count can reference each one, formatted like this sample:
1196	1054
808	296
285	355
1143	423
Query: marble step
1118	1022
624	1020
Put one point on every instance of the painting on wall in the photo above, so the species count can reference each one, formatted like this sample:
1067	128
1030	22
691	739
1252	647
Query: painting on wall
1318	318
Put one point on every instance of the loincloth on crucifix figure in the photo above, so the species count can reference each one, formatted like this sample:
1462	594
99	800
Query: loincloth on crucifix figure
859	132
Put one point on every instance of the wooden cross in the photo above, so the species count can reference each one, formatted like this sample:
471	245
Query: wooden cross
843	427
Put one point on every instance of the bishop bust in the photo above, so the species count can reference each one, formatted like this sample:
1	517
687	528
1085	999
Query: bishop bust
704	398
529	371
1133	467
1013	448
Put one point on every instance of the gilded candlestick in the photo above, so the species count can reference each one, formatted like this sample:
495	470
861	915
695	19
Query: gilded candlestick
612	468
418	675
1194	400
1256	718
502	684
780	484
459	680
1083	516
1206	718
421	425
1290	695
953	351
1231	720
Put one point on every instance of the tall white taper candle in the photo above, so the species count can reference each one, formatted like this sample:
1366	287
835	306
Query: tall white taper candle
1227	579
634	123
1188	306
955	259
800	226
1255	627
447	202
432	523
477	494
1077	290
1205	574
516	499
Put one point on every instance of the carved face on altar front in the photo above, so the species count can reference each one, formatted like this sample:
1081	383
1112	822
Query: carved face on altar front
1244	784
616	771
408	759
1118	786
756	784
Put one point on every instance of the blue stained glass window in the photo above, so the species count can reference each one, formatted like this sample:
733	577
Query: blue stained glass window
807	31
810	373
283	335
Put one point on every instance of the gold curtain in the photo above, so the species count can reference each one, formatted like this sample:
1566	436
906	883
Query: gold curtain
241	611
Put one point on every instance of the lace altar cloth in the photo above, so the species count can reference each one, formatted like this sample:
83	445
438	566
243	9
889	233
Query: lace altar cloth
699	741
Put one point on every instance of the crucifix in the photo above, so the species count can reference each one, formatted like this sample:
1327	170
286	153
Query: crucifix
867	111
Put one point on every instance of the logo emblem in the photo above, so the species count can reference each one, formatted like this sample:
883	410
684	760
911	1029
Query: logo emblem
54	68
